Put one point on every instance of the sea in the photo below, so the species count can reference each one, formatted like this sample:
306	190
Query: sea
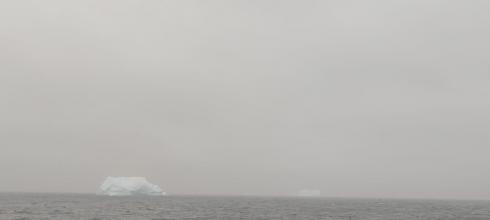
23	206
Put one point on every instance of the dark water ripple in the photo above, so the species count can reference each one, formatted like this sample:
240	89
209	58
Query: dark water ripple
72	206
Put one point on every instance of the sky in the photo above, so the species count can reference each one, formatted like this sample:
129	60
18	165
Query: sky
355	98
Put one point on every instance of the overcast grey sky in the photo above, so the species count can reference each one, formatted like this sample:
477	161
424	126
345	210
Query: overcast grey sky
376	98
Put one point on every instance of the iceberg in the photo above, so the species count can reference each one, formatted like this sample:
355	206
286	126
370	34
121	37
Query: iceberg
309	193
128	186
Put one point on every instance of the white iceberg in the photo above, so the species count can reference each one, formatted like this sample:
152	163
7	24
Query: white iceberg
309	193
128	186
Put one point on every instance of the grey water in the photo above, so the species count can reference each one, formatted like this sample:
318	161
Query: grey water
78	206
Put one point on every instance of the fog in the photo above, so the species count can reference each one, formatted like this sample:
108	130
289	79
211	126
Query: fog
372	98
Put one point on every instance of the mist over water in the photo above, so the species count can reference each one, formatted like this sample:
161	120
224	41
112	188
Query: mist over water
371	99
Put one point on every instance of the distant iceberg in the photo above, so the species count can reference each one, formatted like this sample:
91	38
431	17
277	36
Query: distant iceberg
310	193
128	186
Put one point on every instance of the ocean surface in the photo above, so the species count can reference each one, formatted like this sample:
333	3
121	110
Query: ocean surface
75	206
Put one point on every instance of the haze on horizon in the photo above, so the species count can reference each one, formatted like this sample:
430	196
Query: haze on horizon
372	98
